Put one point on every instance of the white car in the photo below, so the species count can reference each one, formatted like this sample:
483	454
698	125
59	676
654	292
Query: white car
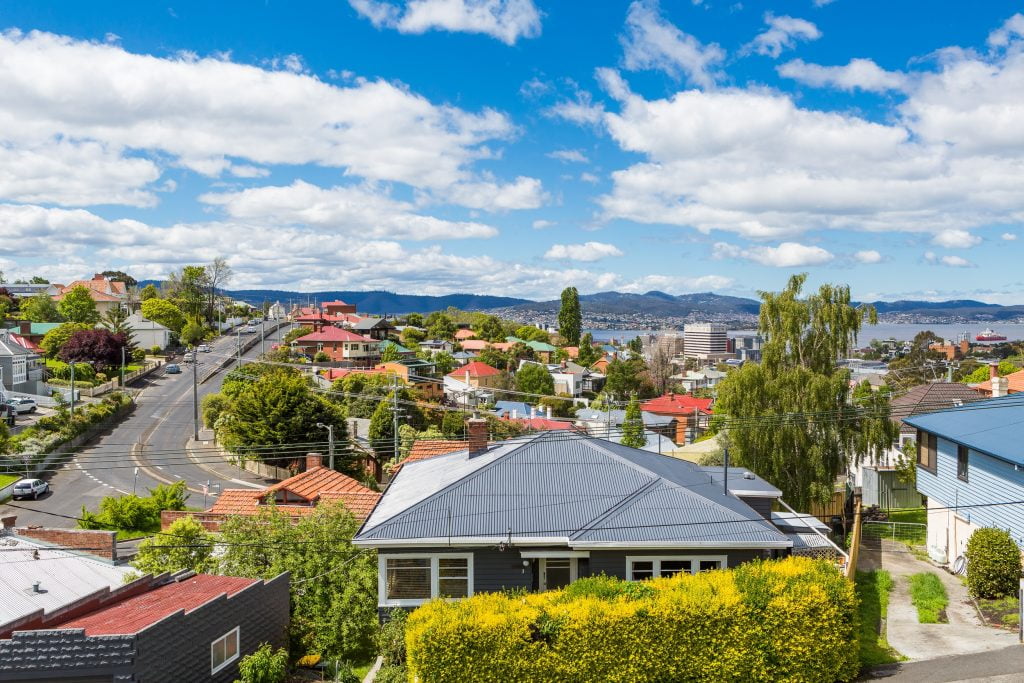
30	488
189	357
22	405
204	348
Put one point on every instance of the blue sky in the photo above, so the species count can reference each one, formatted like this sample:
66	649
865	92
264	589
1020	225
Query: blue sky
518	146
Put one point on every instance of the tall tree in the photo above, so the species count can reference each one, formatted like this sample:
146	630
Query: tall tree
77	306
570	317
149	292
40	308
36	280
633	425
588	355
789	417
163	312
189	288
55	339
535	379
627	377
218	275
660	369
186	545
116	321
120	276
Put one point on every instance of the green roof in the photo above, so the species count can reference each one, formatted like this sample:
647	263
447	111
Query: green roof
387	344
37	328
541	346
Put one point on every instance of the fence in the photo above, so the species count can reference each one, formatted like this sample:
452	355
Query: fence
894	535
855	541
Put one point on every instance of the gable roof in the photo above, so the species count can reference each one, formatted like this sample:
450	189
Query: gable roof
475	369
677	404
1015	383
928	398
318	484
334	334
372	324
991	426
549	489
9	346
474	344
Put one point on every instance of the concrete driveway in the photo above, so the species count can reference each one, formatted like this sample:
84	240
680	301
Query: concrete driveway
964	634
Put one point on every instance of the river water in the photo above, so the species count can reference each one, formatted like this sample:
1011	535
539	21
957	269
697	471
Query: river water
899	331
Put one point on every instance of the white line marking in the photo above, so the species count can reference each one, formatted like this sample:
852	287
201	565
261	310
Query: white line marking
248	483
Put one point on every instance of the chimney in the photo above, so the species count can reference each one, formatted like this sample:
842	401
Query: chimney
533	412
993	370
515	414
314	460
25	327
477	429
467	376
549	412
8	524
1000	387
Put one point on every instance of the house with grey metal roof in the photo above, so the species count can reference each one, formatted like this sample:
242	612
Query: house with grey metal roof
539	512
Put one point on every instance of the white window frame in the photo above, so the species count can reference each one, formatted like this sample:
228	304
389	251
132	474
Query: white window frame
236	633
574	568
694	561
382	576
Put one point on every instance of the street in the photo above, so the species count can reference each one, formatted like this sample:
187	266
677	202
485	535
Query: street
146	449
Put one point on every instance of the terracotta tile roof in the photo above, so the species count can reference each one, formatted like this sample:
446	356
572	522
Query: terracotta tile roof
99	285
93	294
359	504
236	502
334	334
542	424
475	369
337	302
464	334
316	485
138	612
474	344
677	404
1014	379
429	448
311	482
573	351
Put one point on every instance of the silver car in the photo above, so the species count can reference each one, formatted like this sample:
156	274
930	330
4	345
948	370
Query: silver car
22	405
30	488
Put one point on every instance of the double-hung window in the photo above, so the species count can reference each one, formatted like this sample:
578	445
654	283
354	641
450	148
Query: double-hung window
962	459
414	578
927	445
224	650
641	568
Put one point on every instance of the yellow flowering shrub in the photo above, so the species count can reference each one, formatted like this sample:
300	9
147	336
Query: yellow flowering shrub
778	620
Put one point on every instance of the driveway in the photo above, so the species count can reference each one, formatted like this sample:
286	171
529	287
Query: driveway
999	666
964	634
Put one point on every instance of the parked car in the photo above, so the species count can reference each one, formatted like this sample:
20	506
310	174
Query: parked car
172	369
250	329
29	488
204	348
189	357
22	404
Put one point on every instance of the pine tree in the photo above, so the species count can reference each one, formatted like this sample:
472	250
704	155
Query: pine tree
633	425
570	318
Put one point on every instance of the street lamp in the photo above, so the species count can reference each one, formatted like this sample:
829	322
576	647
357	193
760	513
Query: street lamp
330	442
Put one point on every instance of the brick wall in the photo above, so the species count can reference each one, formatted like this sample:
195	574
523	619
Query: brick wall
100	543
210	521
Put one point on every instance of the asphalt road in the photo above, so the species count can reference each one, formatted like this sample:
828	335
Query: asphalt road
146	449
996	666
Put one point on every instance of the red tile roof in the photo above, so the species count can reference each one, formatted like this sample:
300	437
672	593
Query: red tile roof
474	344
338	302
429	448
464	334
138	612
475	369
334	334
677	404
1015	381
542	424
316	485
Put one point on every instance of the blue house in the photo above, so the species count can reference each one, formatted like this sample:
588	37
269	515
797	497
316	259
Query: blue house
970	462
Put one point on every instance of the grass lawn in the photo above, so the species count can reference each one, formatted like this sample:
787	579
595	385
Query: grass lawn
929	597
914	515
873	595
362	669
6	479
1003	612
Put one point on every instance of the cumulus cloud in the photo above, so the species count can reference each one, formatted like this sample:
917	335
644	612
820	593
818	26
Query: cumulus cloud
786	255
588	252
782	34
956	239
652	42
569	155
868	256
1011	29
580	109
951	261
540	224
208	114
1009	236
859	74
505	20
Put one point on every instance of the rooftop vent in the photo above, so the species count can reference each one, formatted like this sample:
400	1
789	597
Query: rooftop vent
36	587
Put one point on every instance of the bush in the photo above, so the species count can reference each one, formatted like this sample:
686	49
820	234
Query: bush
213	405
391	639
138	355
792	619
342	672
265	665
392	674
993	564
155	350
321	357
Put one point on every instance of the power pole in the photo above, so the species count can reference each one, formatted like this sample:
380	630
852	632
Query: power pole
394	414
238	347
330	442
122	367
195	399
72	364
263	327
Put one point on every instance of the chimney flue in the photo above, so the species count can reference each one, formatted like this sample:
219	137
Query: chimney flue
476	428
993	370
314	460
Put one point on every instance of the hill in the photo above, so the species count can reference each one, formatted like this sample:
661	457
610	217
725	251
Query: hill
378	301
652	303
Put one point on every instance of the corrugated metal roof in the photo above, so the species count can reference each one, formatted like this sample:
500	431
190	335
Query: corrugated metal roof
992	426
577	490
64	577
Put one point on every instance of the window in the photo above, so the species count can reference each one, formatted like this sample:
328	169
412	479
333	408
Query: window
224	650
927	444
640	568
412	579
961	463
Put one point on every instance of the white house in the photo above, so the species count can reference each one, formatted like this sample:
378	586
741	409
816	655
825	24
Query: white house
146	334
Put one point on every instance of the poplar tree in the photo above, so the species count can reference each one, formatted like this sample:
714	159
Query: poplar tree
789	417
570	318
633	425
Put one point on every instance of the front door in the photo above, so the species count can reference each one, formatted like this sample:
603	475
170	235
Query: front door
557	572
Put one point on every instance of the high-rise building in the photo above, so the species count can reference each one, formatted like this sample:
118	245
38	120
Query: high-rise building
706	342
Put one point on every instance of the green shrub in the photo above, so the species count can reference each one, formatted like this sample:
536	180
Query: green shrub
342	672
993	564
792	619
155	350
212	406
392	674
391	639
265	665
138	355
321	357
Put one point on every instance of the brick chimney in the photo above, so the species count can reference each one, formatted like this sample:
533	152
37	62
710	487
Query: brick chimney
8	524
1000	387
24	327
993	370
477	429
314	460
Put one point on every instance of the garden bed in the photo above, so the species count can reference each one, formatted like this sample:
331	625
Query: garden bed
1001	612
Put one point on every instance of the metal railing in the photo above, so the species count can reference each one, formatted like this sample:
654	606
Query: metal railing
907	533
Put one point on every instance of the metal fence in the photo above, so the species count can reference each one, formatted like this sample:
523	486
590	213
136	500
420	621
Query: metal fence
893	535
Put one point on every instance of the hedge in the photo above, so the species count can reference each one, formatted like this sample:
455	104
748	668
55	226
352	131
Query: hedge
993	563
784	620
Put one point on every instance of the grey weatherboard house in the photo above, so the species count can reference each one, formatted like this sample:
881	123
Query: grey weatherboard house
541	511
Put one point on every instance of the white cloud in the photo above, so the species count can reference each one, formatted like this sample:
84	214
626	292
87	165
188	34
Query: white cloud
1012	28
589	178
206	113
956	239
951	261
588	251
581	110
781	34
506	20
569	155
540	224
786	255
868	256
349	211
652	42
822	3
1009	236
859	74
489	195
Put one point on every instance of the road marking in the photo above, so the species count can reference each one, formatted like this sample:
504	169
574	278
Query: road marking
248	483
159	467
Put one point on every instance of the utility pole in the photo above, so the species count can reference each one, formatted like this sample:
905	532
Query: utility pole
330	443
394	414
122	367
263	327
238	347
195	399
72	364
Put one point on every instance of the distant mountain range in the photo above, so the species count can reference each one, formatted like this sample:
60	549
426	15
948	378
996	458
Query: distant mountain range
651	304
